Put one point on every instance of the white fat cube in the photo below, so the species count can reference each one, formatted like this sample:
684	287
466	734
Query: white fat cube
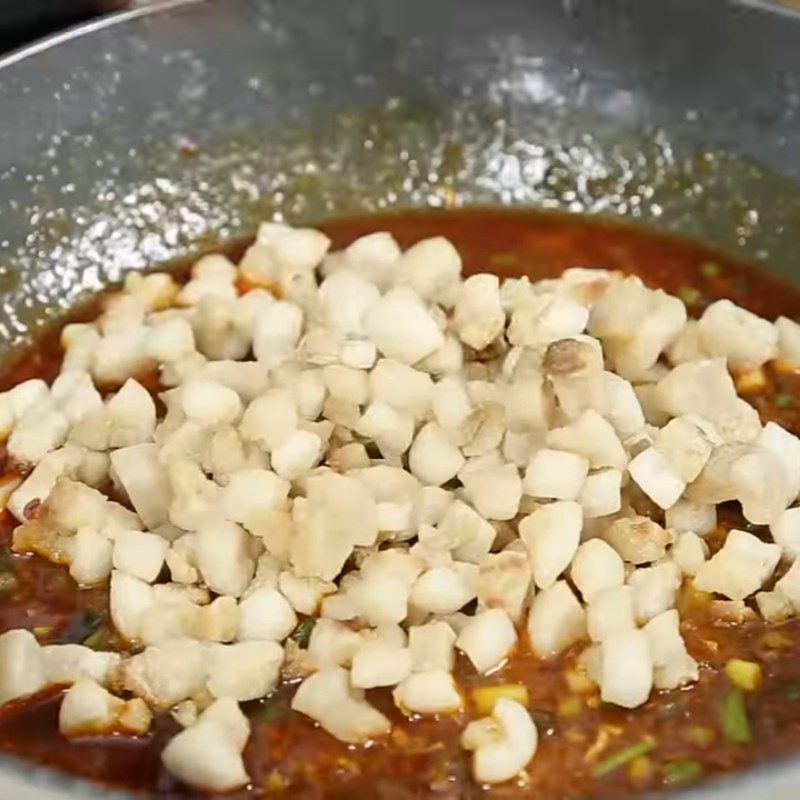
786	532
687	516
478	317
433	458
224	557
555	474
251	494
495	492
552	534
610	611
626	669
656	477
380	664
22	666
601	494
266	615
244	671
596	566
740	568
329	699
654	589
145	481
556	620
431	646
208	755
140	554
689	553
270	419
276	333
487	639
210	403
402	327
429	692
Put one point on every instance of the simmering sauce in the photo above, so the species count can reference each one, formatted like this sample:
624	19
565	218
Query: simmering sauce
288	756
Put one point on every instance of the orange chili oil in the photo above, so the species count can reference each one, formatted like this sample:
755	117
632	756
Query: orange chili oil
287	755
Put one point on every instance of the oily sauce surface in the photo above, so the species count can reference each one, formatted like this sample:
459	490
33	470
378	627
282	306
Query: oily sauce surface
287	756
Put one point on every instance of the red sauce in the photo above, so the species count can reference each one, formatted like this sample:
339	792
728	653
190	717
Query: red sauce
288	756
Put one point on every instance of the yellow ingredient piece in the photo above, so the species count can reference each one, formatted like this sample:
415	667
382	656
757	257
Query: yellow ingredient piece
640	770
747	675
570	706
751	382
484	697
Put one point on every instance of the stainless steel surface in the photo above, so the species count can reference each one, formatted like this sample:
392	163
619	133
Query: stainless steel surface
131	141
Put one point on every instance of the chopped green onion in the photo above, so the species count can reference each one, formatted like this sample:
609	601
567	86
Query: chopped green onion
8	582
82	626
710	269
684	770
733	717
689	294
622	757
785	401
97	640
302	633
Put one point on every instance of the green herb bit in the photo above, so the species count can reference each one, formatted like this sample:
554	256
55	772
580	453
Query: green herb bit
784	400
622	757
273	709
82	626
7	561
8	582
302	633
733	717
689	294
684	770
97	640
710	269
791	691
